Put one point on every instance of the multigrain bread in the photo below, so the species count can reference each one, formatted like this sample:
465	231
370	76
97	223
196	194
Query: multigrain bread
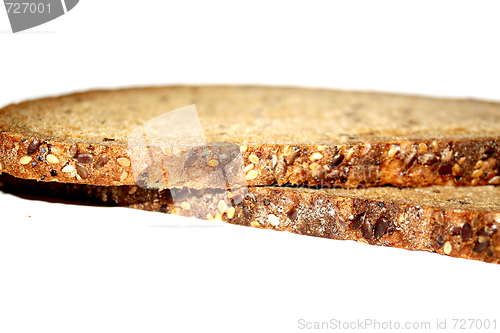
460	222
285	136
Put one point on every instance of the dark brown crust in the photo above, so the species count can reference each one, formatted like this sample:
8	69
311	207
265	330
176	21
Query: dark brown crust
463	233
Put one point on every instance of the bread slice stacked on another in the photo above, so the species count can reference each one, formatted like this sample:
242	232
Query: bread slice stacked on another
344	165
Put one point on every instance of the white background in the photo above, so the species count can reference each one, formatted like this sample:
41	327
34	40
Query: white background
73	268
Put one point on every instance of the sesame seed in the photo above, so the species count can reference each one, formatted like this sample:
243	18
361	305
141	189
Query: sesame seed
214	163
124	176
222	206
132	190
455	169
209	217
123	161
25	160
497	217
422	147
287	151
251	175
349	154
273	220
393	151
218	217
248	167
447	247
479	164
68	168
185	206
255	224
494	181
321	148
316	156
243	148
253	158
230	212
52	159
477	173
474	182
462	160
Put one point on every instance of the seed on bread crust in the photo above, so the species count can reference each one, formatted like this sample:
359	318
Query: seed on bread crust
494	181
243	148
85	158
357	221
427	159
293	157
482	244
287	151
73	150
410	158
52	159
447	247
315	157
25	160
68	168
273	220
34	146
222	206
191	159
337	160
253	158
82	172
392	151
123	176
101	161
477	173
123	161
466	232
251	175
380	227
230	212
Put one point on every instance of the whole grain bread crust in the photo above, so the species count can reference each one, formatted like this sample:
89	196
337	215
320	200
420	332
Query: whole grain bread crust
285	136
458	222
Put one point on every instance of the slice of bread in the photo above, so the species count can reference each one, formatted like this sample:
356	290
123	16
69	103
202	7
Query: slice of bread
456	221
285	136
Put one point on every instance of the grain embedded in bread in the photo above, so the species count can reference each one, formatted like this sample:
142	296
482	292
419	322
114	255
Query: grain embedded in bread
460	222
289	135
